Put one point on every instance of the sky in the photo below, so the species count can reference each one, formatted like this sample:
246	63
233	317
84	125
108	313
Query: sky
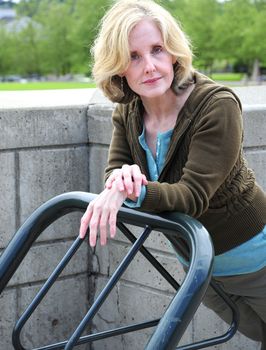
16	1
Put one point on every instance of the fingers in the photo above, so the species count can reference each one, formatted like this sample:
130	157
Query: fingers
94	223
129	178
103	227
84	222
138	179
112	224
116	176
101	215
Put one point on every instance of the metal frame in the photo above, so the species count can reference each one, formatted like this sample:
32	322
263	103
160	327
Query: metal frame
174	322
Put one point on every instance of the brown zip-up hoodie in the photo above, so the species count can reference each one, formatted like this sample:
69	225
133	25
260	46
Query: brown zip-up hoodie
205	174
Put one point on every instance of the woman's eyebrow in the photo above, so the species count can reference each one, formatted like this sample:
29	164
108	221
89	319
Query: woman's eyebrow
157	43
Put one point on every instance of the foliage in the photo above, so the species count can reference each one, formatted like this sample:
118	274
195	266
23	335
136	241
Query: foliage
7	55
242	36
55	36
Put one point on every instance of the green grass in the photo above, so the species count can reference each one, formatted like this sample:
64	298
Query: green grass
44	86
227	76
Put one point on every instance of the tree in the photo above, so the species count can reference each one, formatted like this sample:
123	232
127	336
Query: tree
58	37
6	55
56	21
28	49
198	18
68	30
240	30
87	15
28	8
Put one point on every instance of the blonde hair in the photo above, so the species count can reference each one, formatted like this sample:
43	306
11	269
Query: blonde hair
111	48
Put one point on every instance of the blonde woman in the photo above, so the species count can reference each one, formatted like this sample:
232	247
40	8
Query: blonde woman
177	146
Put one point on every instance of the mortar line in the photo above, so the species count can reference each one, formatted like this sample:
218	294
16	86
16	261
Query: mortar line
17	190
46	147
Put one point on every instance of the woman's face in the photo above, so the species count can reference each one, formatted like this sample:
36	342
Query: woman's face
150	72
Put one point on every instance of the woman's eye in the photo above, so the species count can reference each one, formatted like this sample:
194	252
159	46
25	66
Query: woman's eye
134	56
157	49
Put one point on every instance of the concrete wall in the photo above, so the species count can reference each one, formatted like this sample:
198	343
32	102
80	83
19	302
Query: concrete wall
45	151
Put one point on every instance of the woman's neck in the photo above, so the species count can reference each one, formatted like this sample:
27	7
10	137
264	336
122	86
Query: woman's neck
162	112
160	107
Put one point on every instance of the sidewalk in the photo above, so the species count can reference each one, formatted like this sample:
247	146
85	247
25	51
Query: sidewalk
45	98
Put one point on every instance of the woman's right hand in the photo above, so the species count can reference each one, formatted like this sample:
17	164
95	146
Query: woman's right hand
101	214
129	178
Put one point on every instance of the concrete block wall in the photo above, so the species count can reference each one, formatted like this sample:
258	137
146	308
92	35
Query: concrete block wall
54	143
142	294
43	152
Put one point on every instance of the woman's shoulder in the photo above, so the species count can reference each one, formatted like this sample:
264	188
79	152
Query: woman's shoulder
207	91
124	111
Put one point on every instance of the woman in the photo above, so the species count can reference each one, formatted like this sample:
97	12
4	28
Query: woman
177	146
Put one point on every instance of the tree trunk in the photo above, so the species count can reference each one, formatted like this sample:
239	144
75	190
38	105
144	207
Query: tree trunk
255	74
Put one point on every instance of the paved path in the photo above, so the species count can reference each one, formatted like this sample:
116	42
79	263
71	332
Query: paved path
249	95
45	98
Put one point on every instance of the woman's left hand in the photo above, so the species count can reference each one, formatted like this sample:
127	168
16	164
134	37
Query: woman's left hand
101	214
129	178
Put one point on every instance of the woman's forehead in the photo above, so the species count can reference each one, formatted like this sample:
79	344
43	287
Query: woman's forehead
146	32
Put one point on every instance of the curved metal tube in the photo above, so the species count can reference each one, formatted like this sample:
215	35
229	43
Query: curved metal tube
39	220
182	308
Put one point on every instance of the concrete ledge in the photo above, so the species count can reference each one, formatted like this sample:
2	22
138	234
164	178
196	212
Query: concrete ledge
254	117
251	95
42	127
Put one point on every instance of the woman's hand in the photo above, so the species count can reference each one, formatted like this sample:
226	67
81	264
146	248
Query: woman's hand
101	213
129	178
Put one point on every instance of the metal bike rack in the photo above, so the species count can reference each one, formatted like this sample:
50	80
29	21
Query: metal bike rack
178	228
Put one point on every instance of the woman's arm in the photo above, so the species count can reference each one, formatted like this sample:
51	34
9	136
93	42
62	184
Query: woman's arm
124	180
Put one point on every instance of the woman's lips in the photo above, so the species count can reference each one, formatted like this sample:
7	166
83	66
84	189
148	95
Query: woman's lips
151	81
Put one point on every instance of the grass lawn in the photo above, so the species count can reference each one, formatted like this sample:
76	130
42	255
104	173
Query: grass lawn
43	85
227	76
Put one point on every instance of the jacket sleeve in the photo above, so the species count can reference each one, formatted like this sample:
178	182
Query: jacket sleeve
119	150
213	151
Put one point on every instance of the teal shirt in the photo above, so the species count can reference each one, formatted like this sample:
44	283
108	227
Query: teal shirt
237	261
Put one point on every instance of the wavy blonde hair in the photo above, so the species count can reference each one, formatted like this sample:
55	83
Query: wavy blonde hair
111	48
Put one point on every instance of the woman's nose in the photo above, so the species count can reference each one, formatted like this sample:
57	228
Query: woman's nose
149	65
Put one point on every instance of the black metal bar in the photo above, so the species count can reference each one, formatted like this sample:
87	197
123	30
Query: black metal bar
224	337
111	283
40	219
183	306
103	335
174	322
150	257
42	292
